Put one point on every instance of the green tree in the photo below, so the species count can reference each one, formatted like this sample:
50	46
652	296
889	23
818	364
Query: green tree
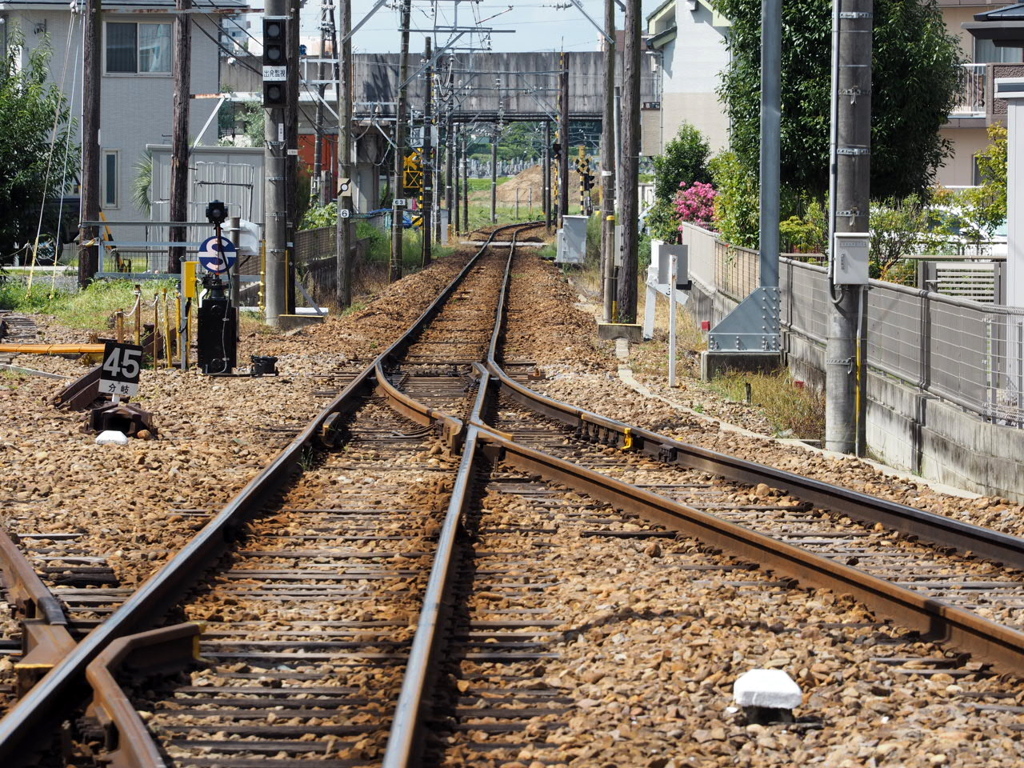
685	160
32	152
915	79
522	141
988	202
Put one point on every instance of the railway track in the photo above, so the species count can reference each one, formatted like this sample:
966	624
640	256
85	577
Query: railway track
393	573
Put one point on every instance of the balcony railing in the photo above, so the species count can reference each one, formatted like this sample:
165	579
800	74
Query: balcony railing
971	98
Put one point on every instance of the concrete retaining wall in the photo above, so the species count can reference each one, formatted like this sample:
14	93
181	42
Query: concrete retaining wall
907	428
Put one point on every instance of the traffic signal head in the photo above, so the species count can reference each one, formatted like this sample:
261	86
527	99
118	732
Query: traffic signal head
275	62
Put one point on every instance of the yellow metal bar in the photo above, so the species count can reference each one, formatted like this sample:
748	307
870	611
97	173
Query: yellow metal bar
52	349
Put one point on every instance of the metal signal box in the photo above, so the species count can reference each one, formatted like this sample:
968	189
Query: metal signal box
851	256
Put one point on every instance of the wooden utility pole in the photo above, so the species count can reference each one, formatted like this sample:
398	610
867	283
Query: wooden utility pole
608	168
88	236
563	139
427	229
343	77
179	132
628	205
400	118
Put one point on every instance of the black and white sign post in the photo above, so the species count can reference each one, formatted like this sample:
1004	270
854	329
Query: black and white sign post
119	374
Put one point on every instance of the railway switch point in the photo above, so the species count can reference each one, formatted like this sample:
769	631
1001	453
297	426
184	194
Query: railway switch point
767	696
125	418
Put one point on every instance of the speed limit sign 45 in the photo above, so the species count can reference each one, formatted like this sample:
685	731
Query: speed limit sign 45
119	374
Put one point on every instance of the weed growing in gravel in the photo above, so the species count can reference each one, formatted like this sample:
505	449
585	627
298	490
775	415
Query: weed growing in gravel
793	411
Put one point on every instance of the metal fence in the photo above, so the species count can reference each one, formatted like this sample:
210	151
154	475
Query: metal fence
966	352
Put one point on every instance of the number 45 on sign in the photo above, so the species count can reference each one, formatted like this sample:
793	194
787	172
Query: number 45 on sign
119	374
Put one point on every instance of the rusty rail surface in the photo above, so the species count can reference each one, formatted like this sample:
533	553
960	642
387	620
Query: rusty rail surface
39	708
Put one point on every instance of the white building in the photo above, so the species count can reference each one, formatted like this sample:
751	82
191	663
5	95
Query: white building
136	85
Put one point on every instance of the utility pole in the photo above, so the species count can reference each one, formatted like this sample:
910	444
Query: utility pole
343	76
627	288
428	158
608	168
454	199
465	180
319	181
179	133
88	236
399	187
563	138
494	173
547	174
845	367
449	169
291	160
277	59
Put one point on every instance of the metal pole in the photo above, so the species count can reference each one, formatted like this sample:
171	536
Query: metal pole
343	76
608	166
274	195
672	339
845	347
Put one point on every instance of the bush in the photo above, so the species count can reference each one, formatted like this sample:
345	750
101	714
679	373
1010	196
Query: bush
737	206
685	161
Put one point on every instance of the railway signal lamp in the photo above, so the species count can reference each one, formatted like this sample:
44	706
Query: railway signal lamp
275	62
216	213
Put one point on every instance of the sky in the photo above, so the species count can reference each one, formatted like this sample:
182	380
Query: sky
525	26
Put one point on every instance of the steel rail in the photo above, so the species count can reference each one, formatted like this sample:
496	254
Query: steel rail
405	741
933	618
66	680
927	526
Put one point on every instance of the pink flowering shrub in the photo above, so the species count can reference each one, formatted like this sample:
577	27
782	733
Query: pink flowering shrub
696	203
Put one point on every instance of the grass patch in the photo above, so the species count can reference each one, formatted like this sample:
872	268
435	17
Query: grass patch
89	309
793	411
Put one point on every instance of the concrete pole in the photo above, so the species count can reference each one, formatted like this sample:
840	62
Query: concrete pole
563	139
343	76
274	194
465	181
428	160
844	350
399	186
629	205
547	174
608	167
494	175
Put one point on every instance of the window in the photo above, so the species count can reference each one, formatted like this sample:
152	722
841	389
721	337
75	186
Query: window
110	179
139	48
987	52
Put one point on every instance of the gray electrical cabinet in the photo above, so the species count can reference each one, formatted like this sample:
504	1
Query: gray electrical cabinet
572	240
850	263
